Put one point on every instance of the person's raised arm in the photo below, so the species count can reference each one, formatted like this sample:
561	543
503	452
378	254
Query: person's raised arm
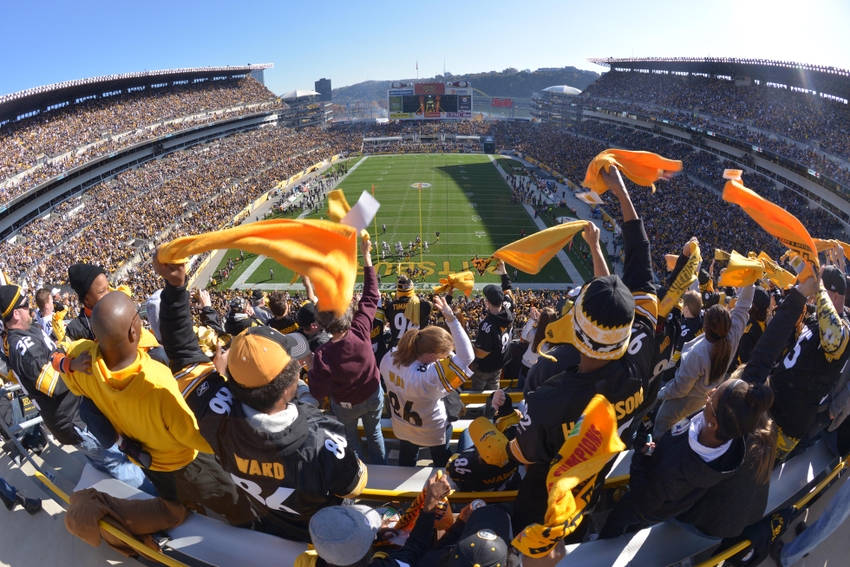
175	317
591	236
777	333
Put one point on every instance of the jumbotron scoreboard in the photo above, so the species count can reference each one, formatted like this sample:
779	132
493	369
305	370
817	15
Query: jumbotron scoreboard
430	101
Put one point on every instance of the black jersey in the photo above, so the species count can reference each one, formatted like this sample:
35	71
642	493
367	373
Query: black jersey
557	404
30	353
293	472
286	324
809	369
399	324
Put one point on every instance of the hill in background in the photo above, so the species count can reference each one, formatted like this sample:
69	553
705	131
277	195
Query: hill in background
507	83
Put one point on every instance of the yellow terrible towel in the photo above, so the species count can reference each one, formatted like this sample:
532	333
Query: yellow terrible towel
531	253
779	276
643	168
573	476
323	250
462	281
777	221
741	271
684	279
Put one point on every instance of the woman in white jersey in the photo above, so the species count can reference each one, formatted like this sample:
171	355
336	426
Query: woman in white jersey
418	374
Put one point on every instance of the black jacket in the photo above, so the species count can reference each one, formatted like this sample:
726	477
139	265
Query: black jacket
79	327
668	482
493	342
737	501
566	356
30	355
556	405
291	473
238	322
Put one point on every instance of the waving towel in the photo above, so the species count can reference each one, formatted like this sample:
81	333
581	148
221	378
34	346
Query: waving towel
643	168
323	250
775	220
531	253
462	281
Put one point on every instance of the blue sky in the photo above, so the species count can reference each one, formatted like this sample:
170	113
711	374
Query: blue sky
47	42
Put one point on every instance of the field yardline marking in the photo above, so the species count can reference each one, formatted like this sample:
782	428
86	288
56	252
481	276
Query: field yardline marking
249	272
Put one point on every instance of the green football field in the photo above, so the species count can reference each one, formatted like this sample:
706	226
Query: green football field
463	196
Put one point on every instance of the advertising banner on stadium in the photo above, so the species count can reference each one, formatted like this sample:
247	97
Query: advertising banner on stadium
430	101
502	103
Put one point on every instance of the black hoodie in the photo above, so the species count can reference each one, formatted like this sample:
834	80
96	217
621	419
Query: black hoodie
268	456
493	343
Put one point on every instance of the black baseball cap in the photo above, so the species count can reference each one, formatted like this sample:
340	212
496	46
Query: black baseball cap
834	280
484	540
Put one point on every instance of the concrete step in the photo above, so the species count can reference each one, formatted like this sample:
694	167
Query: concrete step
42	539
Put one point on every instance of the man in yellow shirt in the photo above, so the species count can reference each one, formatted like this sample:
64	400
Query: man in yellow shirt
140	398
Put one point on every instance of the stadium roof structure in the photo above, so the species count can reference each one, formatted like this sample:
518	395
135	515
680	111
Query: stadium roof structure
563	89
818	78
298	93
39	98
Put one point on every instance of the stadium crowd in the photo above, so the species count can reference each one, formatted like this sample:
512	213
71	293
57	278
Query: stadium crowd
771	117
270	441
67	137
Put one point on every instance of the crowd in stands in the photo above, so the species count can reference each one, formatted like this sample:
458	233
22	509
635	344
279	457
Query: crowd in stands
191	191
770	117
70	136
437	345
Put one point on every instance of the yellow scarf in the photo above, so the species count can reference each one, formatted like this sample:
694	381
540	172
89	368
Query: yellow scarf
531	253
685	278
411	311
643	168
592	442
323	250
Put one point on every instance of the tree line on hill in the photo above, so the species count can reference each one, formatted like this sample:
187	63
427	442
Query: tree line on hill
508	83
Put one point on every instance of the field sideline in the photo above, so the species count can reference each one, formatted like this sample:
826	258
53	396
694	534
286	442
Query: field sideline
463	196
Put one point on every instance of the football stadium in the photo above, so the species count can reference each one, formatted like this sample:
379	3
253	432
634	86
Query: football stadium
607	327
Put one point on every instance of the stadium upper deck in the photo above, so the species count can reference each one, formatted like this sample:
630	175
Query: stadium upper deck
817	78
49	97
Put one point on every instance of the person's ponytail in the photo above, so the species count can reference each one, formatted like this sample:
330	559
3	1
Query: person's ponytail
760	397
717	323
742	411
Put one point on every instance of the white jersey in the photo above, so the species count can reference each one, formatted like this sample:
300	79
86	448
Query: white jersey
416	391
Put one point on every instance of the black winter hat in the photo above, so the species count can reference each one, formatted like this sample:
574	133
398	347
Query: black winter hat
11	297
761	299
82	276
307	314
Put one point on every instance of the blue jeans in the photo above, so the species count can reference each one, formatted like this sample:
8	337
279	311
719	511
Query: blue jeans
833	515
7	490
113	462
370	412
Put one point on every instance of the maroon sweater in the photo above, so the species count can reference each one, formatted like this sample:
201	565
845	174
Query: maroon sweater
345	369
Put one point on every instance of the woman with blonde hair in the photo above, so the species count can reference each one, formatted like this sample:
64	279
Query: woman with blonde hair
426	365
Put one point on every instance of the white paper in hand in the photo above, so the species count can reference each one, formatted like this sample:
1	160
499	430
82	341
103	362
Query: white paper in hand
362	213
